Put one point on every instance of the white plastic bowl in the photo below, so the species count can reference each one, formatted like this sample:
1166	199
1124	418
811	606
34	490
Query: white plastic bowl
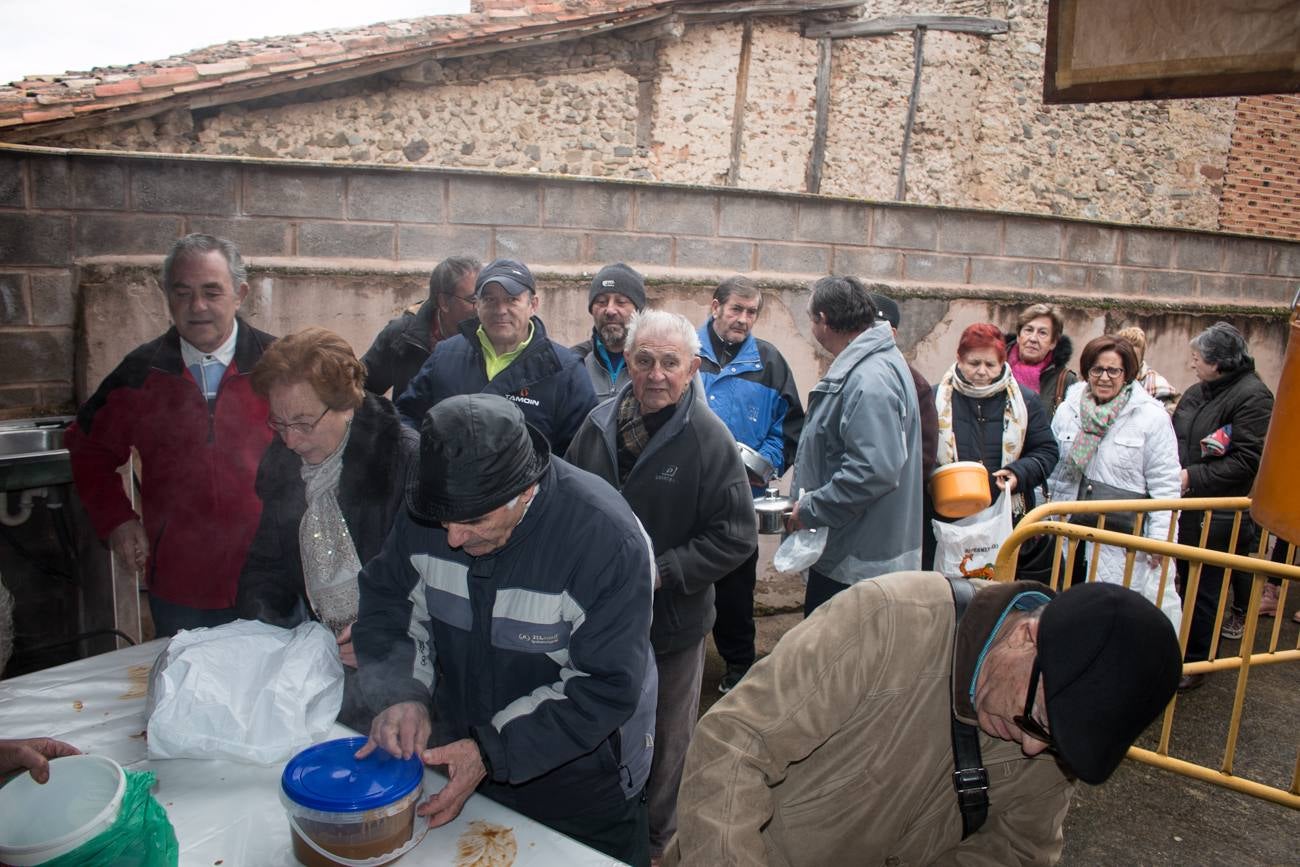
41	822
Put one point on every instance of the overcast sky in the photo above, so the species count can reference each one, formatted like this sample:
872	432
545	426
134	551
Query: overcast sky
71	35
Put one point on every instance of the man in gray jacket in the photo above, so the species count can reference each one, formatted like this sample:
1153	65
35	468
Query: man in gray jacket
858	467
677	466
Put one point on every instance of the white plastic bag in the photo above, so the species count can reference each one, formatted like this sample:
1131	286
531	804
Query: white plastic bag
969	546
801	549
245	691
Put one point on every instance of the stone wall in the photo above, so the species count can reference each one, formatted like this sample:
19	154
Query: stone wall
659	103
82	235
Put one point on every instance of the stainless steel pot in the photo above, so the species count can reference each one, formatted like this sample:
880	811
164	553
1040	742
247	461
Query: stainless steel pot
760	470
771	509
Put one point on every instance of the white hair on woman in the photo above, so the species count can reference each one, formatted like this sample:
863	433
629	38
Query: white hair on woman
662	323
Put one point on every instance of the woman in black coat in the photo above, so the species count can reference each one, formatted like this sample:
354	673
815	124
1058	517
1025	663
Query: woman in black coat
985	416
331	485
1220	424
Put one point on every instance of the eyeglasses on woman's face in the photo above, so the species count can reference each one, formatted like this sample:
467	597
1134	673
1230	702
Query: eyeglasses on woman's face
1099	372
301	428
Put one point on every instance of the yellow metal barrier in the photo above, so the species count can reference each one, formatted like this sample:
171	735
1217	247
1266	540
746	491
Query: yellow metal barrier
1040	521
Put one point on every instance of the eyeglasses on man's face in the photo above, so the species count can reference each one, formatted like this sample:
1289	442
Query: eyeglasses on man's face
1100	372
301	428
1026	721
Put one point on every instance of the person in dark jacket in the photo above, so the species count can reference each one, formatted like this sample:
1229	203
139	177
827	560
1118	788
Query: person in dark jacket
184	403
986	416
1220	424
1039	354
676	464
505	351
331	485
887	309
616	292
747	384
515	595
404	344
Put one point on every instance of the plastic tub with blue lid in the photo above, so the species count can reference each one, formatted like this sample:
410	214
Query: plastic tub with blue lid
351	810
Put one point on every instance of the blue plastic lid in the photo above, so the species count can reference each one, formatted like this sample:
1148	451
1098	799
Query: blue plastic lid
328	778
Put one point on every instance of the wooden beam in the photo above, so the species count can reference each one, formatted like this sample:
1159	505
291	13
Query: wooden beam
738	113
899	23
918	60
813	180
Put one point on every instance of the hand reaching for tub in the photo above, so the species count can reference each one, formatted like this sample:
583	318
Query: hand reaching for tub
34	755
401	730
465	771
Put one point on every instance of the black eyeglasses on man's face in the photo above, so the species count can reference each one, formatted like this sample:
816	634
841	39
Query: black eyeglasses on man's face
1026	721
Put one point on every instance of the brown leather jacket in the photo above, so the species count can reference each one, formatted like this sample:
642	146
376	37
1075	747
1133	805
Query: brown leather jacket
837	748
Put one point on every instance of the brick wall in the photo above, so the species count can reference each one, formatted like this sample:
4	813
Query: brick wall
82	234
1261	190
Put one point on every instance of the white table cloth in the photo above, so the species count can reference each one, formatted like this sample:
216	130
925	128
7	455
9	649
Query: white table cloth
224	812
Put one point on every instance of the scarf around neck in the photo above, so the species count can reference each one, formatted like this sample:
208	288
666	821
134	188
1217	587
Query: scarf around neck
329	557
1028	375
1094	421
1015	416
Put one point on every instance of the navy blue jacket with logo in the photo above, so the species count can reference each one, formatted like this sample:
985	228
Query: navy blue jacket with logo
539	651
690	491
547	381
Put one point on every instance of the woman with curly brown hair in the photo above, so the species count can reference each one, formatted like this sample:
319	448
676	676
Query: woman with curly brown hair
331	484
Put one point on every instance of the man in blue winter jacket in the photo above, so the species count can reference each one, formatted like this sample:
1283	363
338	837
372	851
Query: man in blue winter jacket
504	350
747	384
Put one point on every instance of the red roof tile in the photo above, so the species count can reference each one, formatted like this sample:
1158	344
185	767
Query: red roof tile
245	64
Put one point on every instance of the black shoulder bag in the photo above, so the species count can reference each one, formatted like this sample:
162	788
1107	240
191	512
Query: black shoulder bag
969	776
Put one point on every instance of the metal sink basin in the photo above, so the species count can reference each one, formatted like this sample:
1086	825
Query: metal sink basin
32	453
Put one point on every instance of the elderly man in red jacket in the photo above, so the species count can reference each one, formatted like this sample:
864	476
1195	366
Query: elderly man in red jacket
183	401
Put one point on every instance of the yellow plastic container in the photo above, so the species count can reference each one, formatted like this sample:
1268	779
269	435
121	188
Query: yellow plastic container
960	489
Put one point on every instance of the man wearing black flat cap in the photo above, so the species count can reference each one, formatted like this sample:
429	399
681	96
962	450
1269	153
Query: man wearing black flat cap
504	350
838	747
514	599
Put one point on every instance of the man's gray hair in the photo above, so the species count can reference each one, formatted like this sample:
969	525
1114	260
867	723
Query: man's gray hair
1223	346
448	273
663	323
200	244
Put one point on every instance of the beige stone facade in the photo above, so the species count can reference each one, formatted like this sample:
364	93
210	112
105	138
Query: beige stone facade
659	102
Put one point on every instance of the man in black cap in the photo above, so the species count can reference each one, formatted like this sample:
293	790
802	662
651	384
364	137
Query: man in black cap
838	747
404	344
514	597
504	350
616	292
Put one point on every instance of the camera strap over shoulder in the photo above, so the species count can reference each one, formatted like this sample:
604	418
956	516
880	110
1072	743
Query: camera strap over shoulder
969	777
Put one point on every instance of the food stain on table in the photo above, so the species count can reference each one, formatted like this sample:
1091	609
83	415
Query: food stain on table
485	844
78	706
138	675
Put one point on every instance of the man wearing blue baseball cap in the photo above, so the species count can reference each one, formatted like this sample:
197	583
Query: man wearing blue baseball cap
504	350
838	748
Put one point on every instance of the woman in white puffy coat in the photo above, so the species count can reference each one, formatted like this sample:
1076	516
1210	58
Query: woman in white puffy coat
1117	434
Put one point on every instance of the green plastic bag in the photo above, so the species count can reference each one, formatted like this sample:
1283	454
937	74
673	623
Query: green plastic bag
142	836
